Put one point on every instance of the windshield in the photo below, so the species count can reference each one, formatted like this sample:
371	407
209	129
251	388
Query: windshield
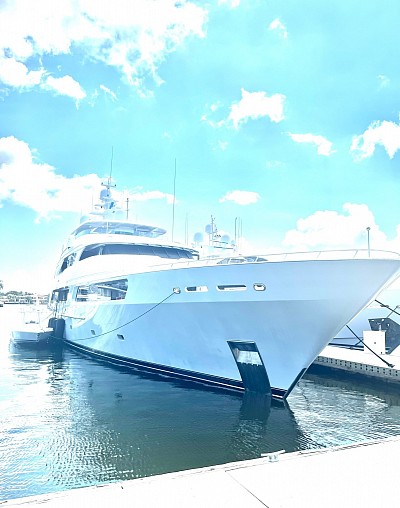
118	228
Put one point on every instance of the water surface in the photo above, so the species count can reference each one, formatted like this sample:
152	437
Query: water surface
68	421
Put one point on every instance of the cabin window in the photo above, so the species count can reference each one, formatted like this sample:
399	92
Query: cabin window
59	295
63	266
102	291
118	228
67	261
92	250
242	259
138	250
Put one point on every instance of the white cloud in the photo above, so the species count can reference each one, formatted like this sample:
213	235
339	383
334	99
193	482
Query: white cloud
275	164
65	86
241	197
135	37
109	92
214	111
329	229
279	27
256	105
168	136
384	81
17	74
383	133
31	184
230	3
151	195
324	147
223	145
37	186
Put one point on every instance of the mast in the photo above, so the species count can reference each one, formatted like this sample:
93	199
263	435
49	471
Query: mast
127	207
107	203
173	206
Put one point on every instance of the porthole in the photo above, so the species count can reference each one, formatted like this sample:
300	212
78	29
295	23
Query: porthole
196	289
232	287
259	286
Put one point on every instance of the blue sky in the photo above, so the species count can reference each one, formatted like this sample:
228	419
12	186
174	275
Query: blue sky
284	114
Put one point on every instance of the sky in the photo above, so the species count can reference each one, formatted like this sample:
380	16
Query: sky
280	115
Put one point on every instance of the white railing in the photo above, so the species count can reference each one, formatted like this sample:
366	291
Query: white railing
325	255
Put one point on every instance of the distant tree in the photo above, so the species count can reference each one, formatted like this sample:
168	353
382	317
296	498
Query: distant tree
1	285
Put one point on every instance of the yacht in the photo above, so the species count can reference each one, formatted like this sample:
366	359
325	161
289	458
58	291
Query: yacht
31	328
125	294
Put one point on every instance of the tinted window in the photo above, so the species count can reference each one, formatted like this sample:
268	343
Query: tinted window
138	250
103	291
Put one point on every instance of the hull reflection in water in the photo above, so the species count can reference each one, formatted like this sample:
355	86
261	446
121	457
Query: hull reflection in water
73	422
67	421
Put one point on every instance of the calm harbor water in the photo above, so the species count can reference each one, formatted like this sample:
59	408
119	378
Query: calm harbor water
67	421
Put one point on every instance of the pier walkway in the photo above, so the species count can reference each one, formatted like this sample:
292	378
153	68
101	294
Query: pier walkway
360	475
363	364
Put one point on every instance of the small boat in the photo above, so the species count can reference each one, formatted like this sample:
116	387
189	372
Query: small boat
31	333
33	328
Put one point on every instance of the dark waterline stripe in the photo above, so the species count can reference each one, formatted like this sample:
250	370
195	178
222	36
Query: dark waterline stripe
163	370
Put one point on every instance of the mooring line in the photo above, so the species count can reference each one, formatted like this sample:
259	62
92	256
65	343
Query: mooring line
128	322
371	350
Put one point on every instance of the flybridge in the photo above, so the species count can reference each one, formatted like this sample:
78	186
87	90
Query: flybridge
118	228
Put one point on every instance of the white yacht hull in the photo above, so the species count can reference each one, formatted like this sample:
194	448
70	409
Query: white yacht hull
304	305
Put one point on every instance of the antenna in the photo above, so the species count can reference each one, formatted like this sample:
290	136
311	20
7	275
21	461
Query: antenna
173	205
111	165
238	231
127	207
108	184
107	202
241	232
236	235
187	229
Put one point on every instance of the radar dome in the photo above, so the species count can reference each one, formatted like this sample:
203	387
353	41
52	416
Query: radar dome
198	237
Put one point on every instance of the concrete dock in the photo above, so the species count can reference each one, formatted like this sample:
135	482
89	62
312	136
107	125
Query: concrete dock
363	364
360	475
